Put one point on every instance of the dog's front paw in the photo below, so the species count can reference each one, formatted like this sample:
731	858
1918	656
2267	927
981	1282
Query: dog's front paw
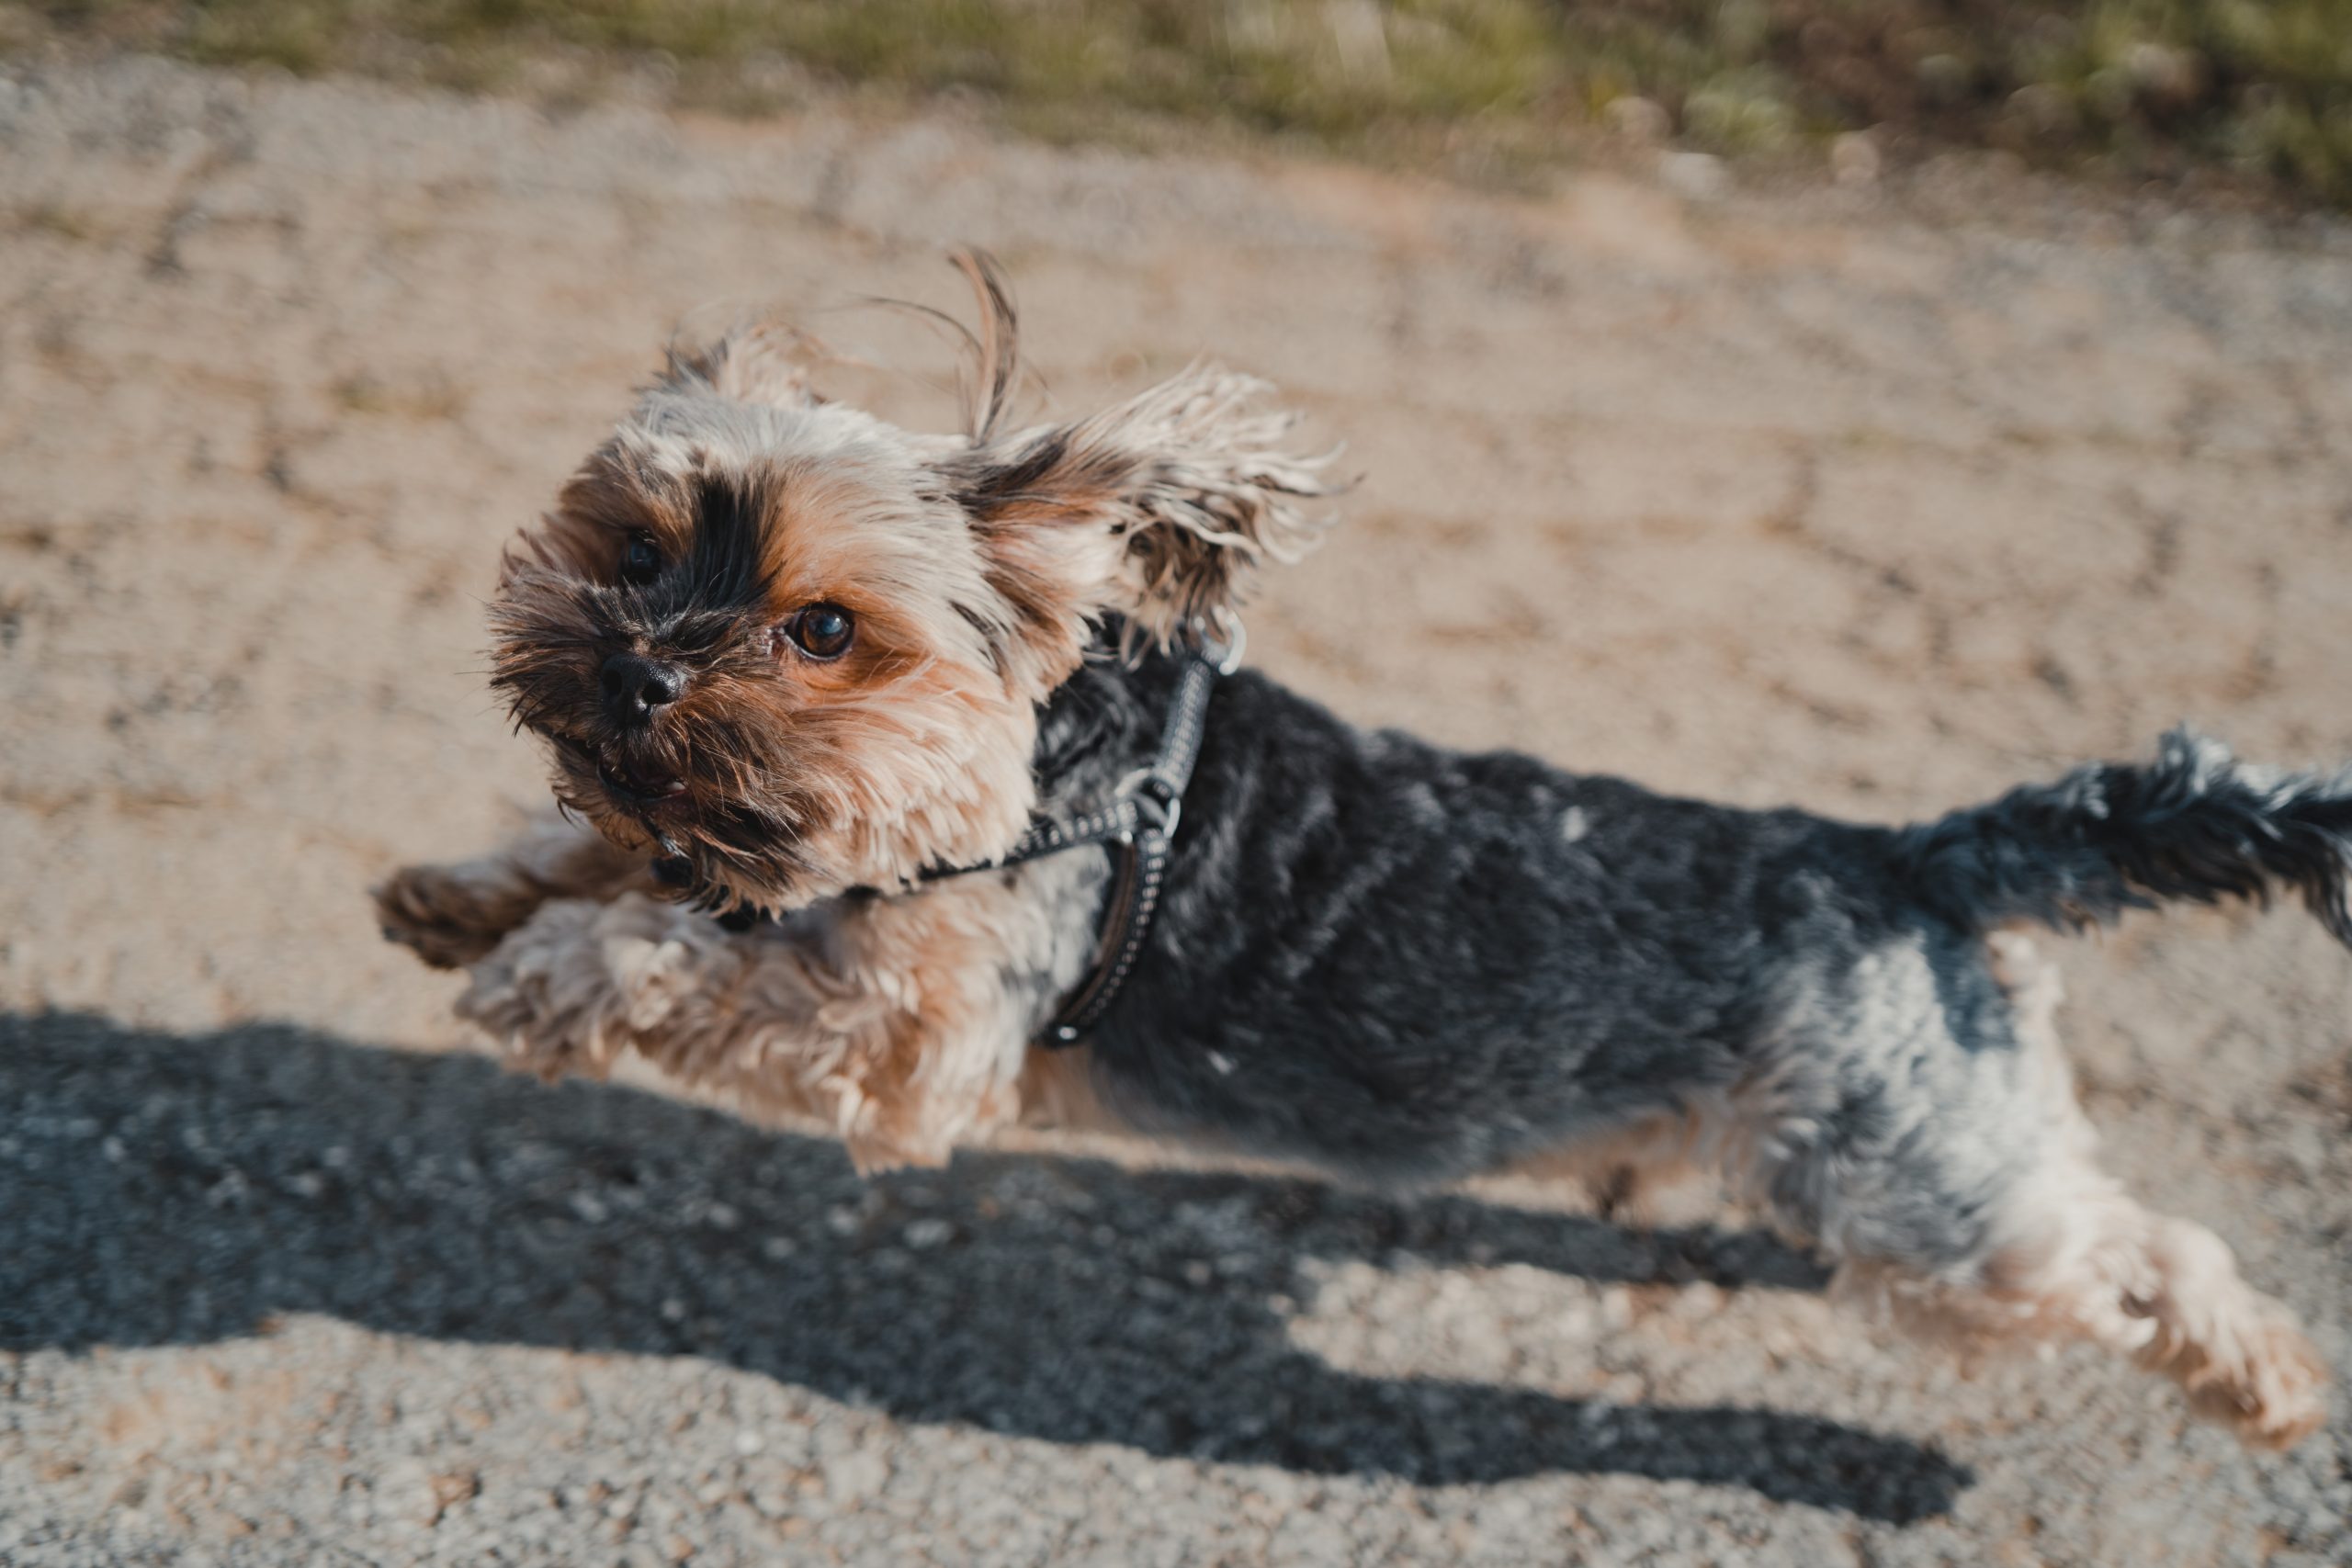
450	917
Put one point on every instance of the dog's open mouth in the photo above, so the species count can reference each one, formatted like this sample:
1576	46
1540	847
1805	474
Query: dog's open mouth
636	784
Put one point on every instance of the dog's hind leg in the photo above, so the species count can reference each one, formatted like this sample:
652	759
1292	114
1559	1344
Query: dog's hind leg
1986	1219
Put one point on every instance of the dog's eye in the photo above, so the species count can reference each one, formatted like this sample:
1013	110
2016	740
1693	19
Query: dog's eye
641	560
821	631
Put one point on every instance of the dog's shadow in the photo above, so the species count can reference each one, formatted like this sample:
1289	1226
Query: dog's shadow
160	1189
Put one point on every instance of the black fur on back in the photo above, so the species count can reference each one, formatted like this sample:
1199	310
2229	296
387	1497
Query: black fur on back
1409	963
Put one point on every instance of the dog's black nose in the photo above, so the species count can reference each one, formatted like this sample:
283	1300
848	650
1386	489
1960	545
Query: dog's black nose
637	687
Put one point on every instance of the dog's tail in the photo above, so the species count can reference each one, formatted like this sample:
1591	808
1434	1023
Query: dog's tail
2195	824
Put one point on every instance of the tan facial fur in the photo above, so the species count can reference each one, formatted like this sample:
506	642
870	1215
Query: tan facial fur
975	567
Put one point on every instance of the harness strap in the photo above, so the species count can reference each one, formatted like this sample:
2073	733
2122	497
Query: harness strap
1139	825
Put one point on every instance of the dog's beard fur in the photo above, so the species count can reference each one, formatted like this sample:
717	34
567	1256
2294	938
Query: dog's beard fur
975	568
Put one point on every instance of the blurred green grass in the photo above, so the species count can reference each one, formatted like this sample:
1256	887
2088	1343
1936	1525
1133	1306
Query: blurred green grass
2257	90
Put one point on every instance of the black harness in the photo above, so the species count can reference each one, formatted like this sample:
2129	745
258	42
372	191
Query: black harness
1138	823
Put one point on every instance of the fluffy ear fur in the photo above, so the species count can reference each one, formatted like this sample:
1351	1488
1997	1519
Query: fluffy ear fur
1153	509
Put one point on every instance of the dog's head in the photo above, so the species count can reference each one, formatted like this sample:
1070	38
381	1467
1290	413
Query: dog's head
801	650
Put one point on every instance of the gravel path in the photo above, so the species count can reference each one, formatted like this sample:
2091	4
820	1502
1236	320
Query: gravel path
1861	499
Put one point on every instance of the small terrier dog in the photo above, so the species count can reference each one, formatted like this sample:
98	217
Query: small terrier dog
795	663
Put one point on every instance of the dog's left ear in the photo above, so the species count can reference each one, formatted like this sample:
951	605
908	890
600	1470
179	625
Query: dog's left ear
1155	510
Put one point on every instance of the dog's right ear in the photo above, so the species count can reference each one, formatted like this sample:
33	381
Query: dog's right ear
1156	510
1153	510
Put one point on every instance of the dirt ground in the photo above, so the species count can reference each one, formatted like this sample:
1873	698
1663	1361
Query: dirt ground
1873	501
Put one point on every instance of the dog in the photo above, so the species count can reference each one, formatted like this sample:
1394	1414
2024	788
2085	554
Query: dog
877	750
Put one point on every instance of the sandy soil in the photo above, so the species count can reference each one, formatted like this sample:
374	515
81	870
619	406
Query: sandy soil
1872	502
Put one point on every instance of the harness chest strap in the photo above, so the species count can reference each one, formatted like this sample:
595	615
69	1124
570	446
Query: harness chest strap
1139	824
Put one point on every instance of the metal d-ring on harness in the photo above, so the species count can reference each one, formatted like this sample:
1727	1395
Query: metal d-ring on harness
1138	823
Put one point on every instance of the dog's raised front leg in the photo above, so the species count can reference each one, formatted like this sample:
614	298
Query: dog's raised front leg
453	915
894	1021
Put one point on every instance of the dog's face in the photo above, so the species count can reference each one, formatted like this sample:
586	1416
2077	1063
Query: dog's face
802	651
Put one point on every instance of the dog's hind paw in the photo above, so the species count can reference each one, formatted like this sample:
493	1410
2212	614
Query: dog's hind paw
2271	1387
